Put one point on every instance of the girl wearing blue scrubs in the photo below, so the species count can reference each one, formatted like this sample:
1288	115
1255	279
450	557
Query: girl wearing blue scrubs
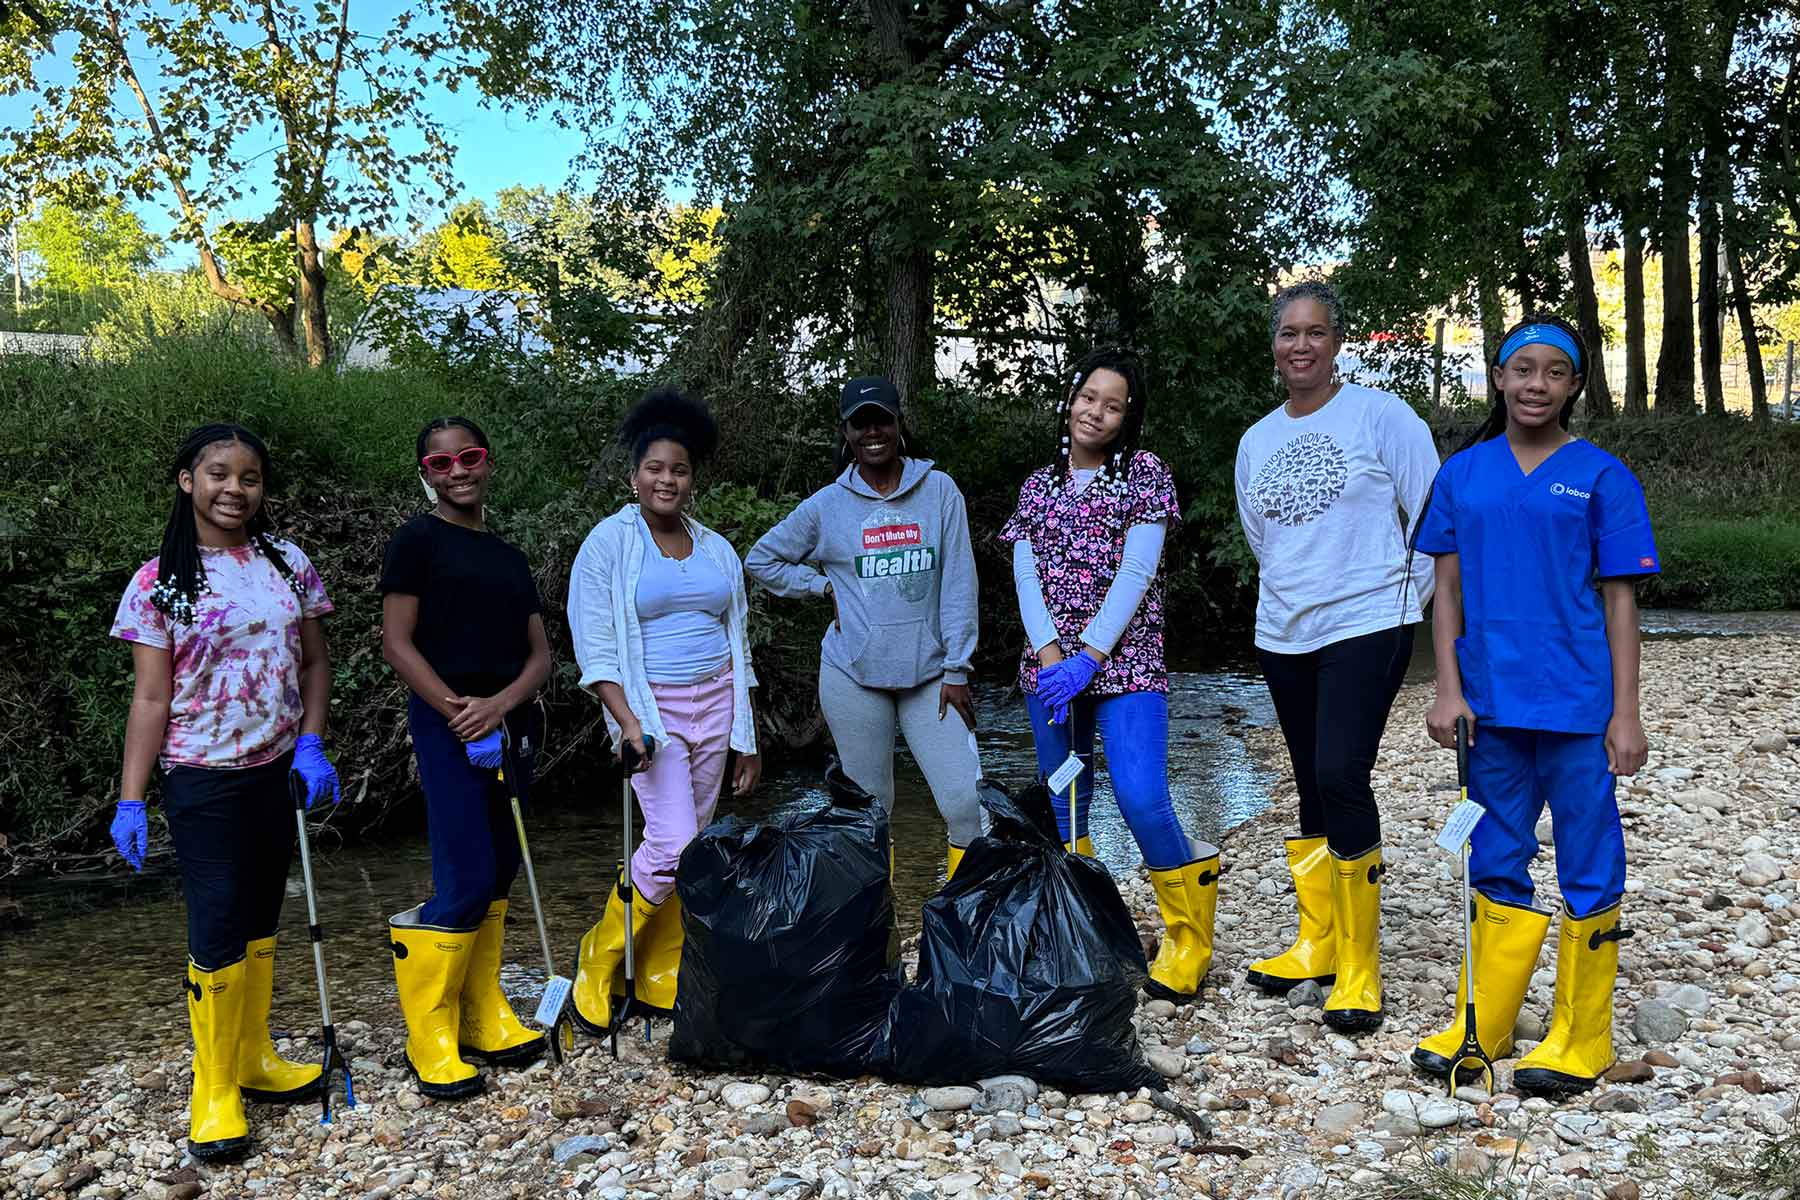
1539	538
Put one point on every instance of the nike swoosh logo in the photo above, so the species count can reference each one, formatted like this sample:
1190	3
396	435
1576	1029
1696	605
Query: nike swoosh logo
867	390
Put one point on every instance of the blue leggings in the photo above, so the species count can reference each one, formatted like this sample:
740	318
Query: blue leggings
1135	729
474	848
1513	773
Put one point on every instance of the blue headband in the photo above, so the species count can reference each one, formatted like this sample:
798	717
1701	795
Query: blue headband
1543	335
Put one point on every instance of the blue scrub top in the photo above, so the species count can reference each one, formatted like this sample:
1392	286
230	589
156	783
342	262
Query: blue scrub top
1533	652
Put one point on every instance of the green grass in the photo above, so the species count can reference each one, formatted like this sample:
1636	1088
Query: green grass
1727	564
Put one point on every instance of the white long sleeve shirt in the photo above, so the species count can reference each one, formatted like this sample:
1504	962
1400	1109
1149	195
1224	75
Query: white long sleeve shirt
1328	503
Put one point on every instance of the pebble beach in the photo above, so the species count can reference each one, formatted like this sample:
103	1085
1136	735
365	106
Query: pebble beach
1262	1098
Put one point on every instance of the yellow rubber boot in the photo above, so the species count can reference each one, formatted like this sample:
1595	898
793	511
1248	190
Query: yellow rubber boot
1354	1005
217	1130
601	964
262	1073
1506	939
659	957
1188	897
953	859
430	966
487	1028
1314	952
1579	1045
1084	846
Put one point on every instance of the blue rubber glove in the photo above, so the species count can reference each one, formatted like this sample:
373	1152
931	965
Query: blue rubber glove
484	752
131	832
1062	682
315	770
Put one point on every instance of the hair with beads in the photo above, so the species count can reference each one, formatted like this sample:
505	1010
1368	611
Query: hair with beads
1115	467
180	574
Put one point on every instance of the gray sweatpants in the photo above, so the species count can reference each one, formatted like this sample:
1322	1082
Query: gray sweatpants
862	723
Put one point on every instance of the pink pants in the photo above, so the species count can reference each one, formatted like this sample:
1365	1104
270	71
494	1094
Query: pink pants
681	789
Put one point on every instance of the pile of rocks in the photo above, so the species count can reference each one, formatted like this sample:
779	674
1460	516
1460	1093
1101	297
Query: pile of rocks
1708	1012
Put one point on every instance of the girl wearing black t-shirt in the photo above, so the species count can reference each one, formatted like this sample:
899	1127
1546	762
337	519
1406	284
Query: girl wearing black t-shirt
462	625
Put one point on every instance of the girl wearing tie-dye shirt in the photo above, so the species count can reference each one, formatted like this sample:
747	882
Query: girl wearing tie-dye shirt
232	687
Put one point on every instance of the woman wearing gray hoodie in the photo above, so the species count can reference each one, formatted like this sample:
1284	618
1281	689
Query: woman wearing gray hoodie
888	542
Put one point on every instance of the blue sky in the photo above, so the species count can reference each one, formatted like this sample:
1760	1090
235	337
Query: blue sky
495	148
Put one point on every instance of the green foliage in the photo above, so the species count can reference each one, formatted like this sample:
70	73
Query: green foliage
183	102
98	251
1725	564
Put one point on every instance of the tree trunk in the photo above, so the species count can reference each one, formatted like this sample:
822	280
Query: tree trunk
1711	316
1675	360
1493	321
1637	374
906	349
1746	315
310	289
1587	312
281	322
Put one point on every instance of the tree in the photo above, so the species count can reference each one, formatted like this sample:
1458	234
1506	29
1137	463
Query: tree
870	157
87	252
180	102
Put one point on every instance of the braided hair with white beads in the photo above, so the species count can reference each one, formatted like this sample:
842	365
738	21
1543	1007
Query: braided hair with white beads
1115	468
180	574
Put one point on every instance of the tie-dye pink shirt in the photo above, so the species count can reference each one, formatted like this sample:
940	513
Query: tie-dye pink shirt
235	698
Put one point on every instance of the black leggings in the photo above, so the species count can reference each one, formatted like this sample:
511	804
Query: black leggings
1333	703
234	837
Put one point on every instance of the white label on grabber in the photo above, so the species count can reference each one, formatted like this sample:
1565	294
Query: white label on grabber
1462	822
556	994
1066	774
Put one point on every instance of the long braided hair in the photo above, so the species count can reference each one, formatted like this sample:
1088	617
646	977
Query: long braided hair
1115	467
180	574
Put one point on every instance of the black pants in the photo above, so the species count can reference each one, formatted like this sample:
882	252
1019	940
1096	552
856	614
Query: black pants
1333	703
234	839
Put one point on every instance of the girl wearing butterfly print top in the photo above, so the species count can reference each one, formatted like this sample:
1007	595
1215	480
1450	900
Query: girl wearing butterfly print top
232	689
1539	540
1087	546
890	540
1327	487
463	627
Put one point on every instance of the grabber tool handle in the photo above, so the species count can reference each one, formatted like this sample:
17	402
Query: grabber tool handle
1462	755
316	935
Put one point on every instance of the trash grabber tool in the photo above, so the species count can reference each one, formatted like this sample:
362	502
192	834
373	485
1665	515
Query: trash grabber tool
333	1057
552	1011
1470	1051
1068	775
630	764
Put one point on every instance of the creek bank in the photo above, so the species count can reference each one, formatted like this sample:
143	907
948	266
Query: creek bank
1295	1109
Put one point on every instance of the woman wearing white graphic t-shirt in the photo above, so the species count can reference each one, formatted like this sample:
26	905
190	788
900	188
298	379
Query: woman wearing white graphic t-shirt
1328	488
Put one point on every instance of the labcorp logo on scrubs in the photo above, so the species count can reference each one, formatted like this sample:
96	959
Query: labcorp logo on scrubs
1563	489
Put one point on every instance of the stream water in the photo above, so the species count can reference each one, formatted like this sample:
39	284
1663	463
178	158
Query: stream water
80	989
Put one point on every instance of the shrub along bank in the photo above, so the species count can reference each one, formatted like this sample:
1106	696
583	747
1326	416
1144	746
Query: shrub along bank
85	495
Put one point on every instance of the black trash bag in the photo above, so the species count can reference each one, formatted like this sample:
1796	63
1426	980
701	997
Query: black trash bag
790	961
1029	964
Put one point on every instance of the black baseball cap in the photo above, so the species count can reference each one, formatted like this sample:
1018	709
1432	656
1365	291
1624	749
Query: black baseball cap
869	389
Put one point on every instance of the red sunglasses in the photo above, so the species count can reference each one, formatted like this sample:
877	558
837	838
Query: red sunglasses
468	458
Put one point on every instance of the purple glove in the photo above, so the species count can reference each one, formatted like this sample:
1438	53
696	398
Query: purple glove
1062	682
315	770
131	832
